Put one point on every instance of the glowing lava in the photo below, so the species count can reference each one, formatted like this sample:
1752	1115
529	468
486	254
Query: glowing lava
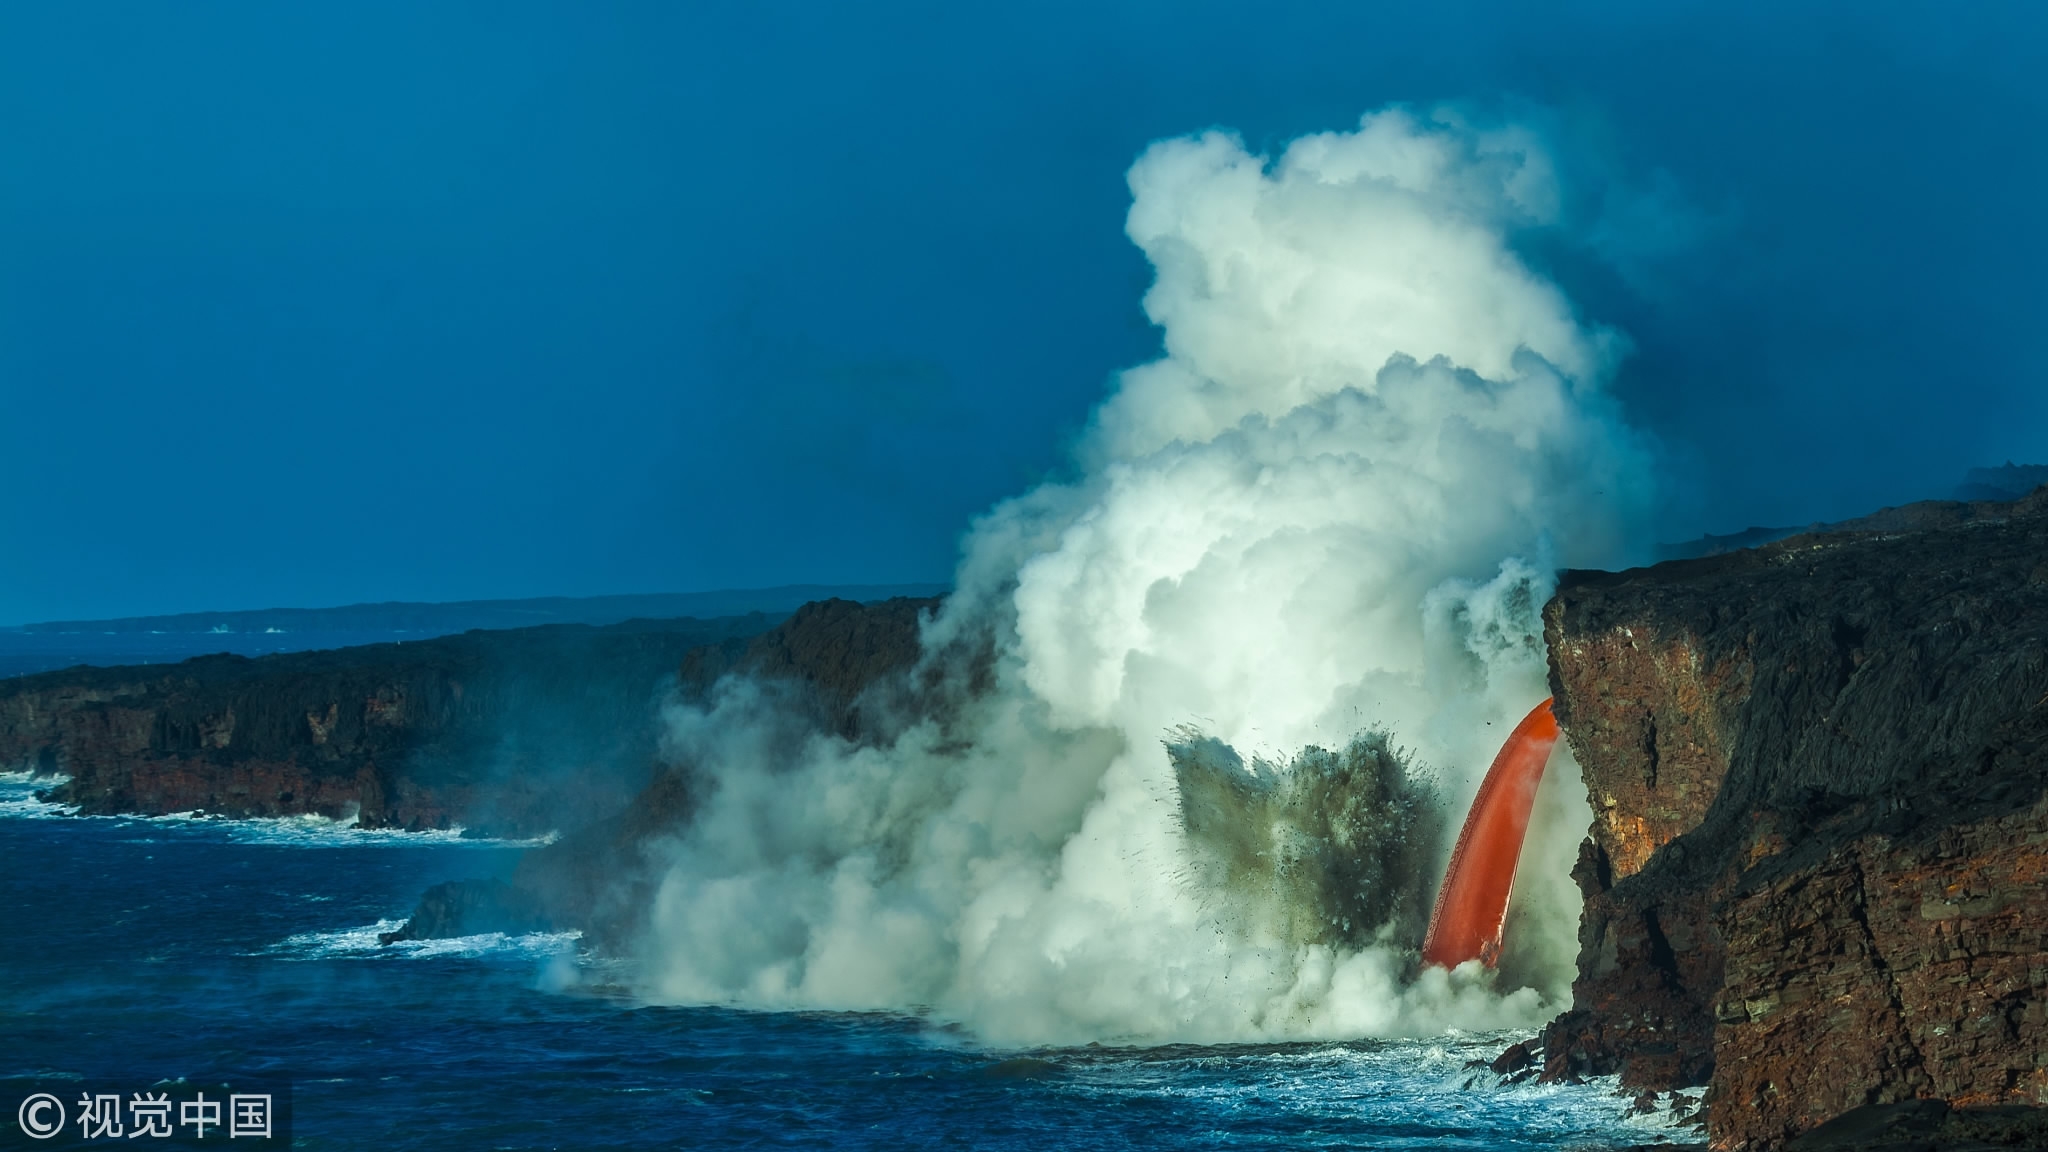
1473	903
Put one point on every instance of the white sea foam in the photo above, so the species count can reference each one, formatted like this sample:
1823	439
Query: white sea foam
320	832
18	800
1419	1082
1335	504
362	943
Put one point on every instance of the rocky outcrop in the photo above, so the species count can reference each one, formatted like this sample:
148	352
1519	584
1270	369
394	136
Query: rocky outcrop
835	657
470	908
1819	771
840	667
1916	951
515	732
1928	1126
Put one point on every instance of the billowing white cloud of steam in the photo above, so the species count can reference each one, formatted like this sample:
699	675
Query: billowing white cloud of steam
1335	503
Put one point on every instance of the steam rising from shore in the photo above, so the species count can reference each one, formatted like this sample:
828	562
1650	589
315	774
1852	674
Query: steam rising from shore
1330	509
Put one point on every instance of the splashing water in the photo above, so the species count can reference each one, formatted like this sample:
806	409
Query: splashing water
1332	848
1331	507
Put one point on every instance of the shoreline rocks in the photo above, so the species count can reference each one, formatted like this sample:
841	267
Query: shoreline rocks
1817	877
1816	883
472	908
518	732
841	667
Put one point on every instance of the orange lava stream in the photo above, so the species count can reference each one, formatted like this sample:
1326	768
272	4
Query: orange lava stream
1472	905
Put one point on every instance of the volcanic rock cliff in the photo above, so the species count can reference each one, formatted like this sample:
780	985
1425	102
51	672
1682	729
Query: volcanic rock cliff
841	668
514	732
1817	879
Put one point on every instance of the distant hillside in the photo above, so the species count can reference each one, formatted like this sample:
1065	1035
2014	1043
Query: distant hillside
2009	481
169	639
464	615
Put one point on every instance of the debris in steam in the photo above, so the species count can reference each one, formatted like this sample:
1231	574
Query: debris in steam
1333	848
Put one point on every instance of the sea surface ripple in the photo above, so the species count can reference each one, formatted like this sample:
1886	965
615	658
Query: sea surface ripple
149	949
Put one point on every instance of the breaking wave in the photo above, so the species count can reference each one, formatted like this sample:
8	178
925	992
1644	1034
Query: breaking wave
362	943
1325	518
19	800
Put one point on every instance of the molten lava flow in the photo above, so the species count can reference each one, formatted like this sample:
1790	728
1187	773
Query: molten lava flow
1473	903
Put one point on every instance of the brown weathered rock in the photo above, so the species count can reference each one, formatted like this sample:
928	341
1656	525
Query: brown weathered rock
1928	1126
1665	708
518	731
1517	1058
1930	946
1820	776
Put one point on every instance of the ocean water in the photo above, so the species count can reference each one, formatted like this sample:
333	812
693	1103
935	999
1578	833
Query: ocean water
141	950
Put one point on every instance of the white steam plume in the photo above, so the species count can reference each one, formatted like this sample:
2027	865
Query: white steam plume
1333	505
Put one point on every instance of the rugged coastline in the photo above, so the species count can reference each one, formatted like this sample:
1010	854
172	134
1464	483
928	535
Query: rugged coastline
1819	769
841	667
515	732
1814	883
1816	886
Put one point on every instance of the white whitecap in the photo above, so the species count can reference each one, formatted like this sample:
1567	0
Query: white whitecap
18	799
362	943
1422	1079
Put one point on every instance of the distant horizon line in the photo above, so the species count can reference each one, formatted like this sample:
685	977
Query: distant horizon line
535	607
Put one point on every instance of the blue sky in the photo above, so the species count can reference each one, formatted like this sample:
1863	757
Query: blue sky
307	305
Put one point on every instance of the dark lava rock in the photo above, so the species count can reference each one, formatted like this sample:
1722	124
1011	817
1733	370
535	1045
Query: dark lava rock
1517	1058
1819	773
1928	1126
836	657
840	667
522	731
471	908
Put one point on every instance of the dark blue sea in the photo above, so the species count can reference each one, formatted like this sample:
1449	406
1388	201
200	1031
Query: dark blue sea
141	951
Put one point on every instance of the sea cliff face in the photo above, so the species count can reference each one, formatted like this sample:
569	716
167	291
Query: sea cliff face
1816	881
839	667
1817	877
516	732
